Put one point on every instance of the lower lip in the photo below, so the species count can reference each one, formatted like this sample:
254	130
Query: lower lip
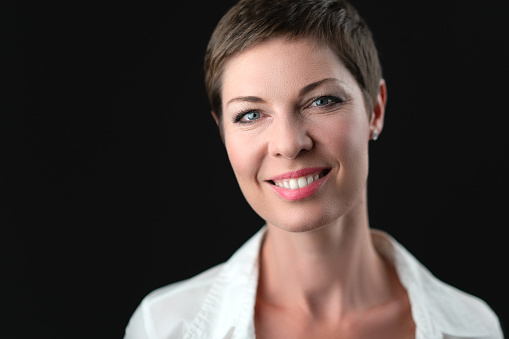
300	193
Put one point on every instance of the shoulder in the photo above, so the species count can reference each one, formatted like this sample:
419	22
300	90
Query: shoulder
209	305
457	312
178	303
438	308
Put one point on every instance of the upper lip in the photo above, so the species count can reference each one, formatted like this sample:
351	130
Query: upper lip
297	174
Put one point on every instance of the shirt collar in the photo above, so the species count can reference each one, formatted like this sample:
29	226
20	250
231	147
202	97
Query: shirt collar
436	308
228	310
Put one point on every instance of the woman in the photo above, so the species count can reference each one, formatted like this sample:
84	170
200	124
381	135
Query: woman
297	93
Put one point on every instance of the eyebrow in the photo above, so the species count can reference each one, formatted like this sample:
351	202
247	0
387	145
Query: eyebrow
247	99
306	89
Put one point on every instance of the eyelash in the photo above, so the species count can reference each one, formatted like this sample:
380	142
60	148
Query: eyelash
335	100
238	117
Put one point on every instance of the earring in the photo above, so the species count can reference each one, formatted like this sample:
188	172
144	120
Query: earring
375	135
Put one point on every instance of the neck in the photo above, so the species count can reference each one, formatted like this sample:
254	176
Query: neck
331	270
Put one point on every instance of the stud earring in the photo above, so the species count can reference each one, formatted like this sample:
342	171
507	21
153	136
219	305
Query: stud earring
375	135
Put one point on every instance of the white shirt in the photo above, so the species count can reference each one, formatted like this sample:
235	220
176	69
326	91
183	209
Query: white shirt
220	302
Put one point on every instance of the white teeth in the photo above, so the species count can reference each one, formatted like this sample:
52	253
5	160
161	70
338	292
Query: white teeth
303	182
296	183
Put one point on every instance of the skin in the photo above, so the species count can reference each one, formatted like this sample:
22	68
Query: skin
320	276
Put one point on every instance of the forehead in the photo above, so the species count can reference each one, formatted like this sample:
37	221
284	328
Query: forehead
279	65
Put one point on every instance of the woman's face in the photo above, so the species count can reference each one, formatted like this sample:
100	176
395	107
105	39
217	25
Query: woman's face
296	131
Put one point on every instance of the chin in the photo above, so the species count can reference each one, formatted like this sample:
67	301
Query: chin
315	213
299	227
305	216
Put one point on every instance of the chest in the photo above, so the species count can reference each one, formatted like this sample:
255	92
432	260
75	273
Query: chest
267	331
275	324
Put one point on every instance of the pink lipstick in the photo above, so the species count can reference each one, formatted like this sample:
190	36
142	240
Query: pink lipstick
301	184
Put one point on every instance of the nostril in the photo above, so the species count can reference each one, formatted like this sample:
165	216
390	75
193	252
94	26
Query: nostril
289	140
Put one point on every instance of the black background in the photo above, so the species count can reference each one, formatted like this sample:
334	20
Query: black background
114	181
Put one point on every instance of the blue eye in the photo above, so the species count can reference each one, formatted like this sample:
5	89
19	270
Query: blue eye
251	116
247	117
325	101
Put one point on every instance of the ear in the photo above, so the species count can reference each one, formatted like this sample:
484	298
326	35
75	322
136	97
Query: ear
378	114
218	123
216	119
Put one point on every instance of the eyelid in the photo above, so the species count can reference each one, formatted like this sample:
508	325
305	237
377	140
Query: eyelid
336	99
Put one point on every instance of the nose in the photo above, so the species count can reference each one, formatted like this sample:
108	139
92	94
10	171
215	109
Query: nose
289	138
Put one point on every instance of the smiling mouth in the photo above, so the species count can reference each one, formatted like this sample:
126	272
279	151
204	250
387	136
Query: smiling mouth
300	182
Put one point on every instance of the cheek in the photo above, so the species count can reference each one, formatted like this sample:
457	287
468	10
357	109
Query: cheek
244	156
344	138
